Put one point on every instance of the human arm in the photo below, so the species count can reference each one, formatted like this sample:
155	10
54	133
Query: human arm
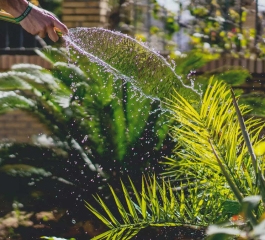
38	21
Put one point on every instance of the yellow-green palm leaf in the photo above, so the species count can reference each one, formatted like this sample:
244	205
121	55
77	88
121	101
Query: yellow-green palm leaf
210	143
157	205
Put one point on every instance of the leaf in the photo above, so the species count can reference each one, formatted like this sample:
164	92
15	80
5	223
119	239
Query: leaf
131	60
55	238
245	133
130	204
211	143
53	55
121	209
34	75
144	201
258	231
10	100
98	215
106	209
24	170
215	232
249	204
258	172
69	73
231	207
163	209
10	82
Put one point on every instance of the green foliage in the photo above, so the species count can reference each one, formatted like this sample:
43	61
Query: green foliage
156	9
213	150
55	238
93	107
228	230
256	100
168	19
234	77
157	205
41	162
187	64
105	114
171	26
145	69
130	113
214	126
217	27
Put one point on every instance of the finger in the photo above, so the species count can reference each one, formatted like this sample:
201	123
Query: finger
60	26
52	34
58	31
42	34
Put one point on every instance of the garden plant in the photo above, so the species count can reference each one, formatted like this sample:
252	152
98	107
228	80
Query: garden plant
219	173
117	114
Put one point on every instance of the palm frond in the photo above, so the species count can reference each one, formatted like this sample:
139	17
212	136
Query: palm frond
210	140
10	100
93	111
157	205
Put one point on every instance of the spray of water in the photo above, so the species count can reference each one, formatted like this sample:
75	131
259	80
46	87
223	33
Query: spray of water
130	60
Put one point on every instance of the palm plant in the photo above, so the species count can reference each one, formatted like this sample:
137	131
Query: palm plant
100	108
97	117
157	205
211	151
213	141
79	116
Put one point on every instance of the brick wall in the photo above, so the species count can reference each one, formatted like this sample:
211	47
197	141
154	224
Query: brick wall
6	61
17	125
20	126
85	13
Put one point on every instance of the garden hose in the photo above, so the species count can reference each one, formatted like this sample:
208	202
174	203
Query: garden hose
9	18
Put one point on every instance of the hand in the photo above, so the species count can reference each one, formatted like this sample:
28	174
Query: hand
42	22
38	21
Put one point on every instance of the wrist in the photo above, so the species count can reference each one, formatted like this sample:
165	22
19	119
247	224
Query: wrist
16	7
